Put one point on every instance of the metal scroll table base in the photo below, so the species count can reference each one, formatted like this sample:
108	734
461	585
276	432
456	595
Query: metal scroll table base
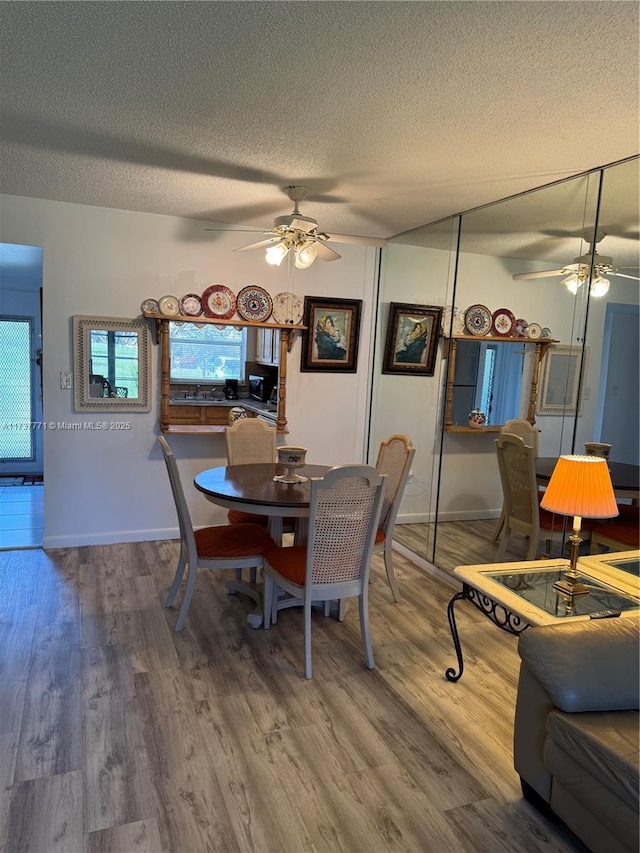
498	614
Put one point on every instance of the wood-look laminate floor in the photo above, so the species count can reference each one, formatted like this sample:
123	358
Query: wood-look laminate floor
119	736
467	543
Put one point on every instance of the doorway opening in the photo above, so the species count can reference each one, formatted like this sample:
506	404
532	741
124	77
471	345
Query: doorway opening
21	427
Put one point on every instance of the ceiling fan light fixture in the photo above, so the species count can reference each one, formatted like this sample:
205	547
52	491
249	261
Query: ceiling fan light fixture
276	254
305	255
599	286
572	283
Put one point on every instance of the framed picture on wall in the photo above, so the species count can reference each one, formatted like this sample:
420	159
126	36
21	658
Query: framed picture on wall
562	387
330	342
412	338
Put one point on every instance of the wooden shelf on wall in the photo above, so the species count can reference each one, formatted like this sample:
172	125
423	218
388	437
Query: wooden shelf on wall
192	429
454	428
183	318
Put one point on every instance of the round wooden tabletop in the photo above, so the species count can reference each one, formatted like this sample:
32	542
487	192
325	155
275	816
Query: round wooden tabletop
244	486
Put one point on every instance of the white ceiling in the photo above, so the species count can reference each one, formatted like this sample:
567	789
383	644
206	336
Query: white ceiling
394	114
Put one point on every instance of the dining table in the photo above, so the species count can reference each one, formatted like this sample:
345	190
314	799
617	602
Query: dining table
625	478
256	489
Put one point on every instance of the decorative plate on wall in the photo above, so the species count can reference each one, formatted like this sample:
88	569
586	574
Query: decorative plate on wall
503	323
191	305
253	303
151	306
287	308
477	320
219	302
521	328
457	326
534	331
169	305
546	332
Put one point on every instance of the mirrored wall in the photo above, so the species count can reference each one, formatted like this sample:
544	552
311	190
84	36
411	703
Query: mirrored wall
561	350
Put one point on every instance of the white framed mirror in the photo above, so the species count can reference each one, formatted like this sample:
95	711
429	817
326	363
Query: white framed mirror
111	364
561	391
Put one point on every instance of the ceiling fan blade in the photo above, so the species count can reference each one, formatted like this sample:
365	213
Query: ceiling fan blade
355	239
272	241
325	253
623	275
544	274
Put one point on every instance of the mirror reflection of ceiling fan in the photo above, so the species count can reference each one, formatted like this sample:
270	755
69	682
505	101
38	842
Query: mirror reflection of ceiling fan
580	270
300	235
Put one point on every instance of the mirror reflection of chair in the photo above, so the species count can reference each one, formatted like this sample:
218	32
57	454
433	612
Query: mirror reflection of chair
224	547
335	563
99	386
394	459
523	514
251	441
529	434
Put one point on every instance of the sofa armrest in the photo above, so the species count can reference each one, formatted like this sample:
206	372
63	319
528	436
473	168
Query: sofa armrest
586	666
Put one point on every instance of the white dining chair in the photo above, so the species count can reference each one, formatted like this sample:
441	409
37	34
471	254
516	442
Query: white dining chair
251	441
223	547
530	435
523	513
344	514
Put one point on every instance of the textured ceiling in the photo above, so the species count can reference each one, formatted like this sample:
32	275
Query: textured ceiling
395	114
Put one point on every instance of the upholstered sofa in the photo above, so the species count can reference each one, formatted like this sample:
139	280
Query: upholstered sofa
576	728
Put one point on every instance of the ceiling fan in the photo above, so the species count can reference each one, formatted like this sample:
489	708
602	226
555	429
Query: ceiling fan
299	234
579	271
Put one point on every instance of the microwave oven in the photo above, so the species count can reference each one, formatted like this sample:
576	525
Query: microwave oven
260	388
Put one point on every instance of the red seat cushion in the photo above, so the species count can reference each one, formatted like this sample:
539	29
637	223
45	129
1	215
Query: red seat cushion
291	563
380	537
241	540
620	531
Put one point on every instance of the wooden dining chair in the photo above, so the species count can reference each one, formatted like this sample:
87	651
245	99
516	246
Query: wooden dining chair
223	547
344	514
394	459
523	513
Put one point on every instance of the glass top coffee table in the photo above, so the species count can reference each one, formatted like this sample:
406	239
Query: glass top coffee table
516	595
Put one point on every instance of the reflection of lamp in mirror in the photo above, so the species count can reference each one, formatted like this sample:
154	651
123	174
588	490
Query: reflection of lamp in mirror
580	486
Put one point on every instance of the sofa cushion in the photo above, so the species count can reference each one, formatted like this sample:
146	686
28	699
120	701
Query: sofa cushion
586	666
605	745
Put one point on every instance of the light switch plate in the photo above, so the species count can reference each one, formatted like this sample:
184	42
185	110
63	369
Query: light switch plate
66	379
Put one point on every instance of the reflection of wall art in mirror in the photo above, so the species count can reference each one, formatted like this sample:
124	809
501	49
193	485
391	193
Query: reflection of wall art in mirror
330	342
562	388
412	338
111	365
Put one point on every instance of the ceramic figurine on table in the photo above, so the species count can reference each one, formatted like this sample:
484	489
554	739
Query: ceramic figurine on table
236	414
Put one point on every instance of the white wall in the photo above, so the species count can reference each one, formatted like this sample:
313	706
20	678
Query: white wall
105	487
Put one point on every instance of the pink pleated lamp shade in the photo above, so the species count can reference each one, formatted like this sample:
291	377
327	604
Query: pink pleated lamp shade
581	485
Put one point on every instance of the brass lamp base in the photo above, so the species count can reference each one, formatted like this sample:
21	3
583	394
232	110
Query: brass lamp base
568	586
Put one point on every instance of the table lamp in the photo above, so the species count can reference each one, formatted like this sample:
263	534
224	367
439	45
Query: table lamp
579	486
